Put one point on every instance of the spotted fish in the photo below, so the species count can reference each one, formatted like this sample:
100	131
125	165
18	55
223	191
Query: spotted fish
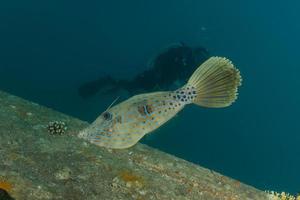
213	84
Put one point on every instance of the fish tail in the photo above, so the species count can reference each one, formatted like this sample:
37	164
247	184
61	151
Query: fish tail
216	82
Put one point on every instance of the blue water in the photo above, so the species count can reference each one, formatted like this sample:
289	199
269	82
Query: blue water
48	48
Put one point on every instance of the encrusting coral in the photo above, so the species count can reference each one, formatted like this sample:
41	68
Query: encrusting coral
282	196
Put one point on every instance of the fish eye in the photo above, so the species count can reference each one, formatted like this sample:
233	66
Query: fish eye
107	115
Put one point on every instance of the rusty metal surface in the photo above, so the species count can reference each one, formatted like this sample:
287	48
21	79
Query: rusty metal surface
38	165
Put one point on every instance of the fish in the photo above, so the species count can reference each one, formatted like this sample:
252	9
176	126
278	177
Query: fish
214	84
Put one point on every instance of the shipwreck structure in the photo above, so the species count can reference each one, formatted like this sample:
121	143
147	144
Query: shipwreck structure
36	163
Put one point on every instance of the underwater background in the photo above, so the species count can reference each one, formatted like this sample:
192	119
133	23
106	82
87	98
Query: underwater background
49	48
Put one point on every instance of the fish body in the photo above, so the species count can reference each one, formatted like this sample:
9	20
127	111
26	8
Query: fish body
212	85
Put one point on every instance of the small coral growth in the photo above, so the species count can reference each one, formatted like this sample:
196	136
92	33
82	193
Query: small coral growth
282	196
57	127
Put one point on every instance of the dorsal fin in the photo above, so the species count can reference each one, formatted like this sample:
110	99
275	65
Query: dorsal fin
116	99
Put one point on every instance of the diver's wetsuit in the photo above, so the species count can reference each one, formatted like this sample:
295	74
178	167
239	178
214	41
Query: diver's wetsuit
175	64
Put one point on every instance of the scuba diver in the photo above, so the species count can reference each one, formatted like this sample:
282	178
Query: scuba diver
169	69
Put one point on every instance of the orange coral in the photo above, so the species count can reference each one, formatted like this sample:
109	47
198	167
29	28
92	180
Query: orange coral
130	177
4	185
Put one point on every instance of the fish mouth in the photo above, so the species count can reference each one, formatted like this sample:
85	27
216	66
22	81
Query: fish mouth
92	133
